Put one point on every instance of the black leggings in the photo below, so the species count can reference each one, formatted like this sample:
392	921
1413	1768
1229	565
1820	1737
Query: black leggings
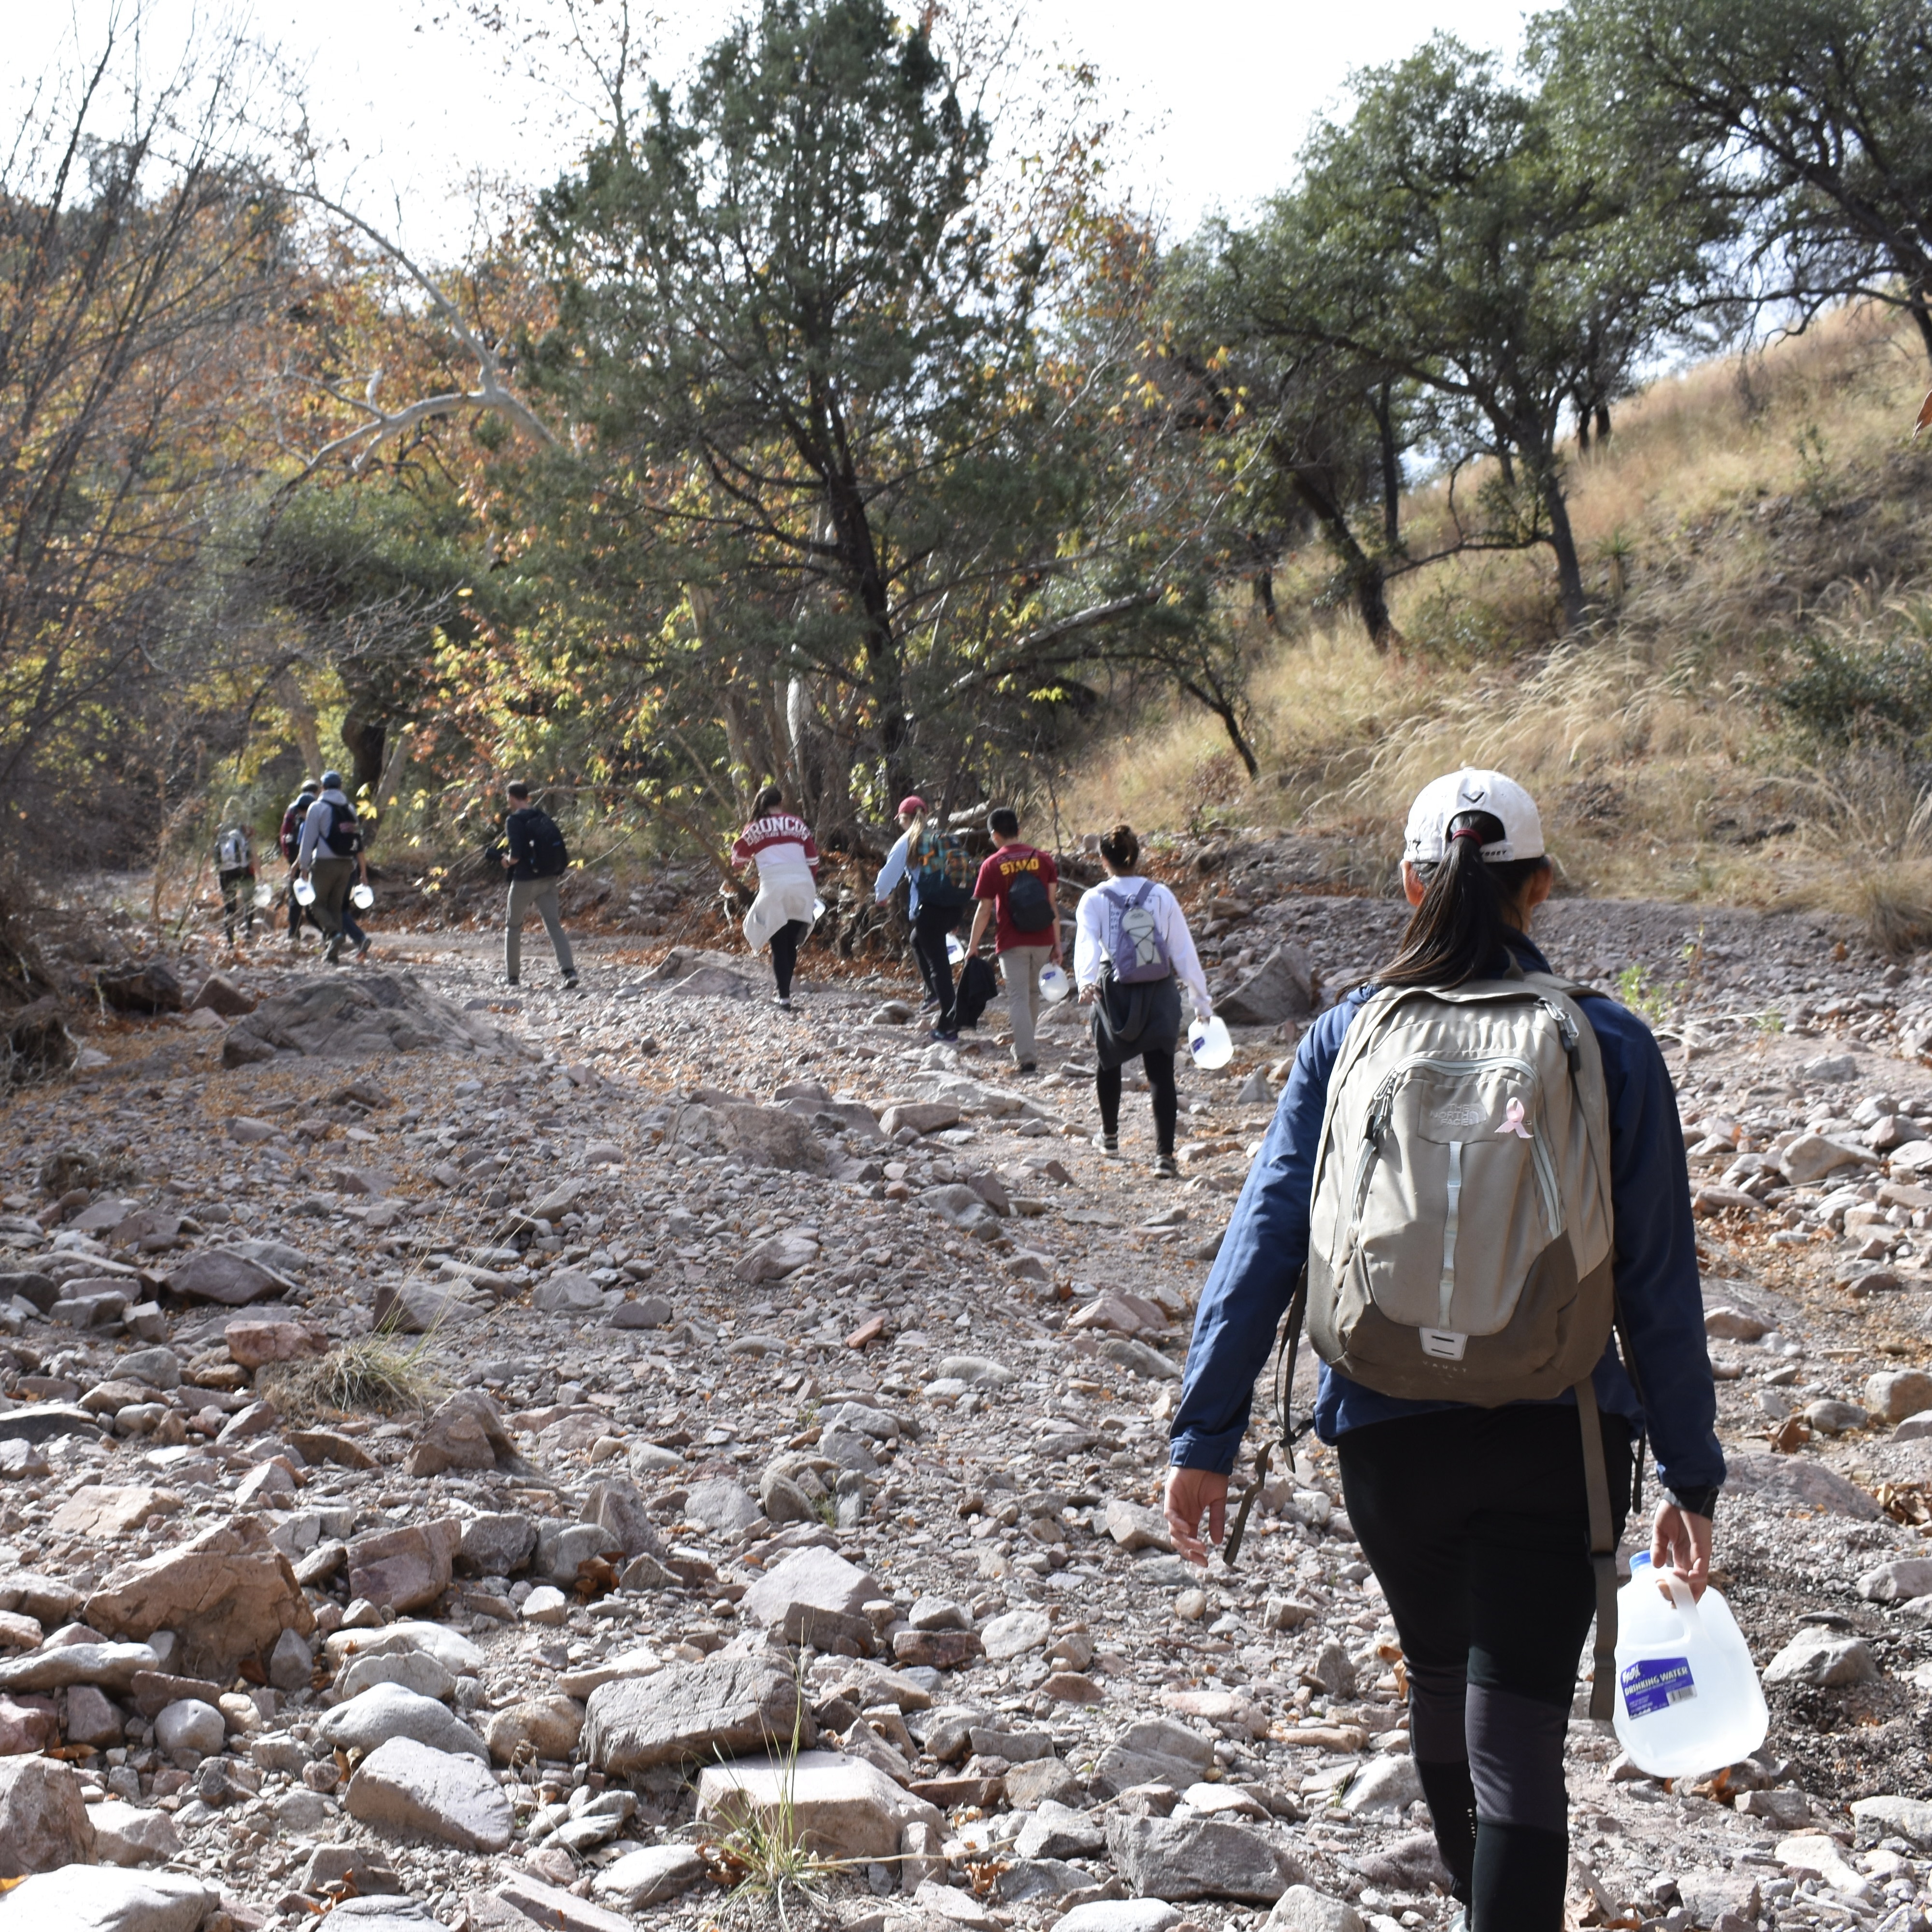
1166	1102
784	952
1476	1526
930	925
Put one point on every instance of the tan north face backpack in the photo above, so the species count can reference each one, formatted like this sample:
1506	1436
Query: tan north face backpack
1460	1238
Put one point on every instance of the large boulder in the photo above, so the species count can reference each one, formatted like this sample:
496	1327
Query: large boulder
385	1710
815	1597
761	1136
465	1432
223	1275
723	1707
149	988
227	1595
1177	1858
43	1821
368	1017
103	1898
402	1786
407	1567
1780	1480
1281	988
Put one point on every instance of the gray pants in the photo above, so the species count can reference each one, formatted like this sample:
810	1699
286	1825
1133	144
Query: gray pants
1021	965
330	879
541	894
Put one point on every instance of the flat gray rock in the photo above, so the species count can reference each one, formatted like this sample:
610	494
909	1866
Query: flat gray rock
1795	1479
385	1712
724	1707
405	1786
639	1879
109	1667
1179	1858
103	1898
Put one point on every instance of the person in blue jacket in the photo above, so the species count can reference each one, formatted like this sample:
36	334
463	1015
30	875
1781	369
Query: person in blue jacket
1475	1520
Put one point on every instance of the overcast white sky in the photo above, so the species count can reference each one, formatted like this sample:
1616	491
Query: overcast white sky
1212	100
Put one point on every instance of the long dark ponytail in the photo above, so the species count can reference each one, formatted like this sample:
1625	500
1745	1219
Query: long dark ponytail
1469	909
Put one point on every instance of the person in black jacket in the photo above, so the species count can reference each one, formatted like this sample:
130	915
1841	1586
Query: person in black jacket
535	847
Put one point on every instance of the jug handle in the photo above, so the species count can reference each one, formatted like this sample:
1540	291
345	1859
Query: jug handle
1673	1586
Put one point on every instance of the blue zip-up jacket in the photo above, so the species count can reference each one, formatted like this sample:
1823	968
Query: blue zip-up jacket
1658	1295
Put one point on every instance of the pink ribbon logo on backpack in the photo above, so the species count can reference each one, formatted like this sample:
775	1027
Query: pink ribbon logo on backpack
1512	1121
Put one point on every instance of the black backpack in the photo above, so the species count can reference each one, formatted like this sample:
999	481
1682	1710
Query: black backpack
549	856
344	836
1027	905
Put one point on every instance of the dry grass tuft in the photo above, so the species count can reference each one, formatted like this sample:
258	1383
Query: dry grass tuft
379	1371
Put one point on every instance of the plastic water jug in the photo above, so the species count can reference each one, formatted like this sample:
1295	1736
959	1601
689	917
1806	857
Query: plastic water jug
1688	1701
1054	984
955	949
1209	1043
361	898
304	892
265	896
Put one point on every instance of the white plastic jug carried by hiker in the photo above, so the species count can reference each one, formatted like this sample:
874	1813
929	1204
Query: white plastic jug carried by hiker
1688	1699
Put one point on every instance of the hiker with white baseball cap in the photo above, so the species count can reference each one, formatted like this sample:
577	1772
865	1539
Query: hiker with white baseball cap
1475	1175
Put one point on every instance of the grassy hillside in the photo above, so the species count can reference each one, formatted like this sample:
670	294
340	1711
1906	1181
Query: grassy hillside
1743	724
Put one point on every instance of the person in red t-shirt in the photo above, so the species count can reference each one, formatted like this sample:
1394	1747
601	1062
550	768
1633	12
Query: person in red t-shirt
1016	883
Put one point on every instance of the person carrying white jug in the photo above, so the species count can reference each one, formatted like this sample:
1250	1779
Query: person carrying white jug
1475	1169
1131	953
780	843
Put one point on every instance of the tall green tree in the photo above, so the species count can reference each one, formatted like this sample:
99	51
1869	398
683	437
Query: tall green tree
797	315
1455	233
1808	117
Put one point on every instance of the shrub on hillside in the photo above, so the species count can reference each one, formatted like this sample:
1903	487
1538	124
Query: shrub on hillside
1847	688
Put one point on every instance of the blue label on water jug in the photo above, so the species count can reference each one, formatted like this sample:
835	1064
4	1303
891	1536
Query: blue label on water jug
1656	1683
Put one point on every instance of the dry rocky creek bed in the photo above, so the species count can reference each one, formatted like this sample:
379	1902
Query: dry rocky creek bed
794	1410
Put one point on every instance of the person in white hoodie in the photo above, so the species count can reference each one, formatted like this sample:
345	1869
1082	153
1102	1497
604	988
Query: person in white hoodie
780	843
1133	952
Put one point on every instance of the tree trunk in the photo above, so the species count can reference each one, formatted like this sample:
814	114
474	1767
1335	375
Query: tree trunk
1563	541
1582	427
1391	464
1603	423
1264	582
1217	702
363	738
1365	573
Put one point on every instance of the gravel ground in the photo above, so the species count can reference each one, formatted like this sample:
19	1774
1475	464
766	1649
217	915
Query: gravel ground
743	1292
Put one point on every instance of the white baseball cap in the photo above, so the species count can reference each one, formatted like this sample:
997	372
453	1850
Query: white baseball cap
1445	798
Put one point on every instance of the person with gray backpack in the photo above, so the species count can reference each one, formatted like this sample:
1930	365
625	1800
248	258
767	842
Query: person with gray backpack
1474	1197
1131	953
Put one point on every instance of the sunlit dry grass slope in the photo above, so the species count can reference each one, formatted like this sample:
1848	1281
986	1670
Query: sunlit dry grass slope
1745	512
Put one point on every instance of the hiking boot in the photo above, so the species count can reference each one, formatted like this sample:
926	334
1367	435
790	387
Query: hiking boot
1166	1168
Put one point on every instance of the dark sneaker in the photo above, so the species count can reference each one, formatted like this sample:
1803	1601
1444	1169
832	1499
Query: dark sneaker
570	982
513	982
783	1003
945	1035
1107	1144
1027	1067
1166	1168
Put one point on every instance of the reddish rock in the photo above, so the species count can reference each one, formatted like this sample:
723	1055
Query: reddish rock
404	1568
227	1595
27	1724
43	1821
939	1650
253	1343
